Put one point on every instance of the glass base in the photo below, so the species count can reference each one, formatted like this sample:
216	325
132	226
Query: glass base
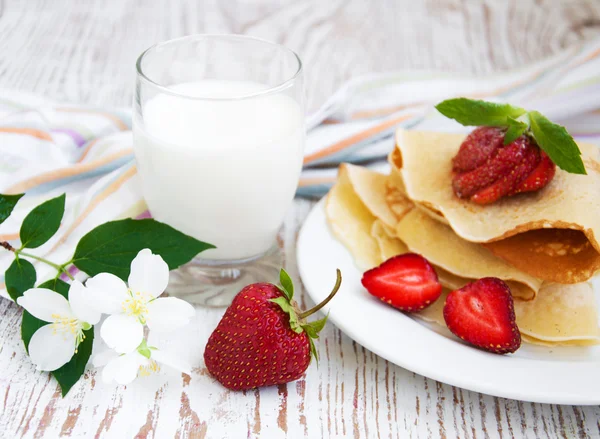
215	283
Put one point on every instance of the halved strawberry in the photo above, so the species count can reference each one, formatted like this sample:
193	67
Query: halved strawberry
507	183
539	177
467	184
407	282
477	148
482	313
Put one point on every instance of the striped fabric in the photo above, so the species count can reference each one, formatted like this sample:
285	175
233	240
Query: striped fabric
48	149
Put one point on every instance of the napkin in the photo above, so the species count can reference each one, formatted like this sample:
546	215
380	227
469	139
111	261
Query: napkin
48	148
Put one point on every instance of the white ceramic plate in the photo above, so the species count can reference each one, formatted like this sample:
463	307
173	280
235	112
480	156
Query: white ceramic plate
565	375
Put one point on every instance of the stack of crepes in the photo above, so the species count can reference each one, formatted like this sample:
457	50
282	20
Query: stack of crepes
543	245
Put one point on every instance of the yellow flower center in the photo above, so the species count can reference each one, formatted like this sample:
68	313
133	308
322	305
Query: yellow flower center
68	327
148	369
136	305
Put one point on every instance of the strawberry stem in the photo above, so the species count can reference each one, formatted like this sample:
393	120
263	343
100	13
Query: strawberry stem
311	311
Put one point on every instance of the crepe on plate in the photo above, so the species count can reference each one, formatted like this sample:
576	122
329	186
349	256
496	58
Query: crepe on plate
550	234
361	224
357	186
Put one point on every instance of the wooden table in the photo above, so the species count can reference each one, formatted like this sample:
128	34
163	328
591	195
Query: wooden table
85	51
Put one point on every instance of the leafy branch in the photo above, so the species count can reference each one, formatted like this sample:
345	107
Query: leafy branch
110	247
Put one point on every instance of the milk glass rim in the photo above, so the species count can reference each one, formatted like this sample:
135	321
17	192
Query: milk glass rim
271	90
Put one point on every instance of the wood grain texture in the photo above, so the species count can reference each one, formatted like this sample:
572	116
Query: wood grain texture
84	51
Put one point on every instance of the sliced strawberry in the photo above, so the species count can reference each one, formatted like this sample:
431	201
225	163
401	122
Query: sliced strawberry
477	148
482	313
507	183
407	282
539	177
469	183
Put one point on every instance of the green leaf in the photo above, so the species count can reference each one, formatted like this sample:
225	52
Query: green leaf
7	204
19	277
286	282
71	372
313	328
287	307
557	143
112	246
515	129
313	350
42	222
473	112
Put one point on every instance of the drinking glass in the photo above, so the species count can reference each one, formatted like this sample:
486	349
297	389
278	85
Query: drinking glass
219	135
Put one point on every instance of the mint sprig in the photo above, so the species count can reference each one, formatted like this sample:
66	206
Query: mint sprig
552	138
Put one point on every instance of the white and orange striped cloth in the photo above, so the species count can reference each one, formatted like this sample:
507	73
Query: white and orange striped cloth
48	149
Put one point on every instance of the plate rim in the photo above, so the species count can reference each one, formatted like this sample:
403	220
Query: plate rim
316	218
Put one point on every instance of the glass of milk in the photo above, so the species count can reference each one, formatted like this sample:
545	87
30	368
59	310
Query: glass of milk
219	134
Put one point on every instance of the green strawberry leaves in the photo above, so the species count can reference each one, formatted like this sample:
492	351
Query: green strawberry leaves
288	308
7	204
287	286
298	322
552	138
312	329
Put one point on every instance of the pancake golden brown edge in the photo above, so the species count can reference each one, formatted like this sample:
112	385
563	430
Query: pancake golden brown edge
549	234
371	242
436	242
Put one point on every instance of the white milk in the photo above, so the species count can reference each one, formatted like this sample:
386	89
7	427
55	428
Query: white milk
224	172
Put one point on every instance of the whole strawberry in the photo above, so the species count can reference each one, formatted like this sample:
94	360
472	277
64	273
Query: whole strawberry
263	339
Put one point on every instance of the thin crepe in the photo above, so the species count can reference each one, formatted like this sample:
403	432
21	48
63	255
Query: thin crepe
442	247
460	261
510	226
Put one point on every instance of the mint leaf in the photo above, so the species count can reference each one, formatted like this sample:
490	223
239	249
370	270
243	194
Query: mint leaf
557	143
7	205
111	247
71	372
515	129
19	277
286	282
42	222
473	112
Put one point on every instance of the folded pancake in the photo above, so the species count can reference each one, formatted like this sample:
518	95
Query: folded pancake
387	242
360	218
549	234
561	315
351	222
443	248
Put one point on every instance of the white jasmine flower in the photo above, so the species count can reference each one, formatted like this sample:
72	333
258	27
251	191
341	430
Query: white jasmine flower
124	368
131	307
53	345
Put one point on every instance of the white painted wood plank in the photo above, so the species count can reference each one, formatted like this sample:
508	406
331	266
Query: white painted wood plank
85	52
